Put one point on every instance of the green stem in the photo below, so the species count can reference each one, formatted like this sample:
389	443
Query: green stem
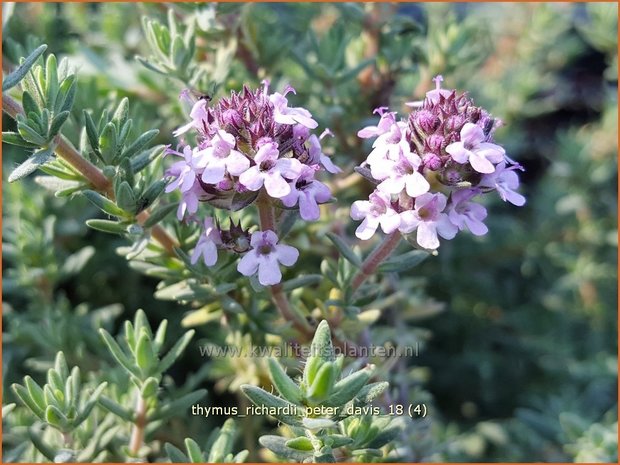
377	256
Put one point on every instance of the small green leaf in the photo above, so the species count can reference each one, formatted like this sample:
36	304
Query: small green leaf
149	387
35	391
283	383
57	123
118	354
14	138
13	79
344	249
122	113
51	80
175	455
321	351
37	441
175	352
277	445
22	393
158	214
105	204
300	443
140	143
151	194
302	281
66	94
116	409
178	405
193	451
29	104
223	445
323	383
108	143
30	135
90	404
285	411
404	262
145	358
108	226
91	131
37	159
56	418
347	388
125	197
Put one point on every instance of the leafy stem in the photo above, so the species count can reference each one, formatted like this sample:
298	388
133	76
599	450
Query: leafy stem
375	259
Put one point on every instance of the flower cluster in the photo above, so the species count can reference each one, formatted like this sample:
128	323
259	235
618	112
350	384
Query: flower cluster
429	168
250	144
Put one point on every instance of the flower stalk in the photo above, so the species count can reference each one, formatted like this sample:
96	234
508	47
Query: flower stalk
372	262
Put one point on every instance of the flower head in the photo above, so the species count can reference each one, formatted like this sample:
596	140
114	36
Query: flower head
429	219
308	193
265	257
472	148
375	211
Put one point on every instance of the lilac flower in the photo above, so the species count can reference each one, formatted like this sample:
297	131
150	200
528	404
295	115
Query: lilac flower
505	181
390	146
284	115
401	175
375	211
271	171
221	157
190	200
198	117
429	220
308	192
464	213
435	95
185	170
472	148
388	118
207	244
265	257
317	156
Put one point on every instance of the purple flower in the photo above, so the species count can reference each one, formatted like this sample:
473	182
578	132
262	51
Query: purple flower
185	170
429	220
221	157
389	146
271	171
207	244
198	117
435	95
318	157
505	181
472	148
266	256
308	192
401	175
284	115
375	211
388	118
464	213
189	201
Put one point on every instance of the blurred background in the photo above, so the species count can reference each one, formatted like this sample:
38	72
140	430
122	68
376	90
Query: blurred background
518	328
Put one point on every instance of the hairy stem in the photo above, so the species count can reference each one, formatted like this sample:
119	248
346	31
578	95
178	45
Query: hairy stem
66	151
377	256
268	222
137	431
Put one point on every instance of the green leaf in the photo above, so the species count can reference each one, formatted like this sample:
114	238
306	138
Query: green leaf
116	409
108	226
175	455
22	393
57	123
29	104
175	352
51	80
145	358
14	138
283	410
37	159
66	94
277	445
91	131
345	250
30	135
149	387
56	418
37	441
122	113
13	79
323	383
302	281
178	405
370	392
105	204
404	262
223	445
125	197
108	143
150	195
347	388
36	392
140	143
90	404
118	354
283	383
300	443
321	351
159	214
193	451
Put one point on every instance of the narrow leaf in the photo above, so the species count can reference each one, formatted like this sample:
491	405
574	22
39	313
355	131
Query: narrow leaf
13	79
39	158
175	352
345	250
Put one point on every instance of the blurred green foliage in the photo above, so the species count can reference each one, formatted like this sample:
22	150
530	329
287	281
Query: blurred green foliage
517	330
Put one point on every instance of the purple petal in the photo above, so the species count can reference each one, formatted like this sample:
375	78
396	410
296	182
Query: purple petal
214	172
268	271
248	265
408	222
276	185
472	134
237	163
308	207
445	228
416	184
390	221
427	236
458	152
367	228
360	209
286	254
252	179
480	164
